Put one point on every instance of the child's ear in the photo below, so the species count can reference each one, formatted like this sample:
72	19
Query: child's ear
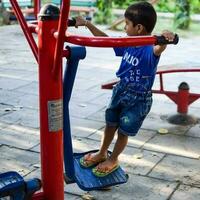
140	28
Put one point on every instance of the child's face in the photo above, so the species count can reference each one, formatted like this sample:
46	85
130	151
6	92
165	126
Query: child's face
132	30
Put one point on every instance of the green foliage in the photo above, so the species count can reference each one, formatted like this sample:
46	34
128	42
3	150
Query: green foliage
181	8
195	6
123	3
182	14
165	6
161	5
104	15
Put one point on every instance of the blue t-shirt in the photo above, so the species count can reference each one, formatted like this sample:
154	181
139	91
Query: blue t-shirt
138	66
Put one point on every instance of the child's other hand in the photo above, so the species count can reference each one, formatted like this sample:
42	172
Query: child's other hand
80	21
168	35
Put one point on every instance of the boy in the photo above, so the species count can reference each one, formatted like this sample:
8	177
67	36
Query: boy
132	98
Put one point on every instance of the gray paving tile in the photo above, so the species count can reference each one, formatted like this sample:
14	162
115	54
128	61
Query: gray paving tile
155	122
36	148
82	110
174	144
84	84
19	137
194	131
91	72
84	127
138	141
180	169
16	74
31	88
5	109
36	173
3	125
11	83
141	138
186	193
79	144
137	161
23	117
71	196
102	100
98	116
7	95
28	65
83	144
86	97
138	187
26	100
92	97
13	159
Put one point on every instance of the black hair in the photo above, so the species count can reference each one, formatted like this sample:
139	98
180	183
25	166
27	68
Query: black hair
142	13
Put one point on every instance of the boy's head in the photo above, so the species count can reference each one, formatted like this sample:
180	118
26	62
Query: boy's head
142	15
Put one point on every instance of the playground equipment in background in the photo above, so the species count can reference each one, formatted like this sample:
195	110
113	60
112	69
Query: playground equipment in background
87	7
29	8
182	98
55	96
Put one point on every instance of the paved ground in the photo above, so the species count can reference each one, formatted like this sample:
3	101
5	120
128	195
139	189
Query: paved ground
160	167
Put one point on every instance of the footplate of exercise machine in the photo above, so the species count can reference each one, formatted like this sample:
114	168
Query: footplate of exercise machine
11	183
86	180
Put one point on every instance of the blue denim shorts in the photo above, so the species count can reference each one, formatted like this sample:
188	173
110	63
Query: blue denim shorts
128	108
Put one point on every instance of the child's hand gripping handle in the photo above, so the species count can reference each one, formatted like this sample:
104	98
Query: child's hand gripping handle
162	40
72	22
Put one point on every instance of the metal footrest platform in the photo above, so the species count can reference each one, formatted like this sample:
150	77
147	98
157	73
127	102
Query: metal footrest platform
86	180
11	184
14	186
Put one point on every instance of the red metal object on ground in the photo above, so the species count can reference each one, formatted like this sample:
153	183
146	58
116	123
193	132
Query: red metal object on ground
183	98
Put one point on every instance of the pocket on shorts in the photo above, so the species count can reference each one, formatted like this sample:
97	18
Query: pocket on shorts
127	99
145	106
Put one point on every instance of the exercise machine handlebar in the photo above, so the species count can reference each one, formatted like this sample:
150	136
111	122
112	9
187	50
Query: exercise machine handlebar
118	41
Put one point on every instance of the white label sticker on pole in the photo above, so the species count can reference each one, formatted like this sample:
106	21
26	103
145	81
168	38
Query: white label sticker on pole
55	115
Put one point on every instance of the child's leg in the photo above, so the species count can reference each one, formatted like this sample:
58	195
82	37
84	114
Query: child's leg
107	138
105	143
112	161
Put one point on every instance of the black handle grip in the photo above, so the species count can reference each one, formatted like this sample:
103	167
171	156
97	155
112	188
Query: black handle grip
161	40
72	22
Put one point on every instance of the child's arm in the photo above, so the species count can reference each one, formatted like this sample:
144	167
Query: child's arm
158	49
93	29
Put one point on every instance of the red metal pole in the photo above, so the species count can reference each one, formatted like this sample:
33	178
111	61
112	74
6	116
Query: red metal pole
51	111
110	41
62	26
24	26
37	5
183	98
